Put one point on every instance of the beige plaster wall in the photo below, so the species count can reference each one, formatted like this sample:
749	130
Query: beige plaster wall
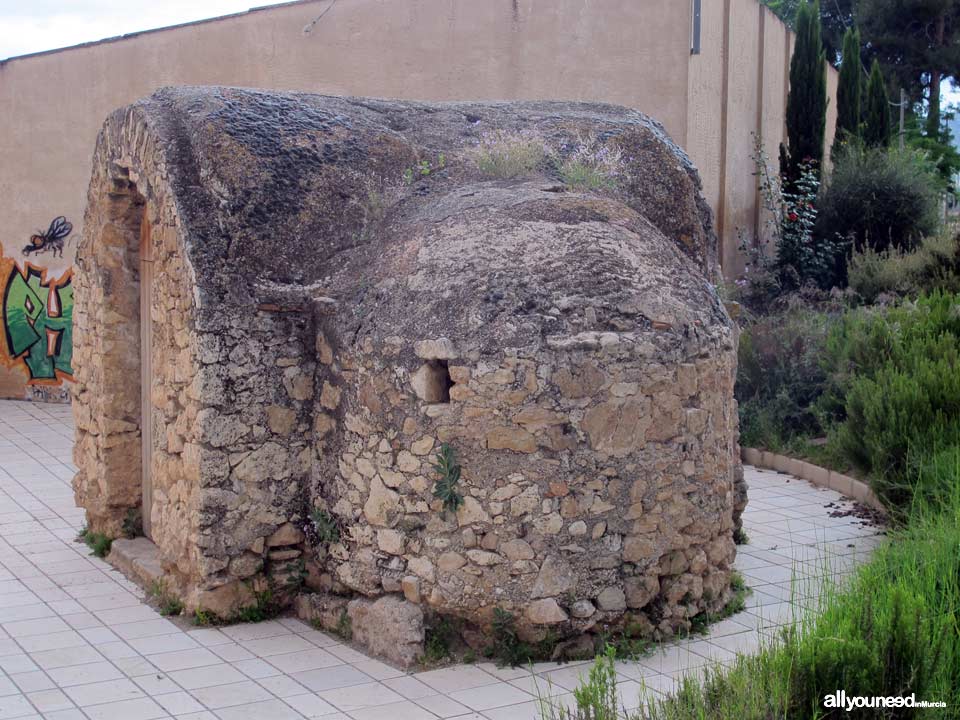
776	81
630	52
705	90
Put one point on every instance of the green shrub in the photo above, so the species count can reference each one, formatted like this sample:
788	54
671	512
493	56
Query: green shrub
894	631
863	341
934	265
596	698
894	389
804	258
879	199
936	477
903	413
780	377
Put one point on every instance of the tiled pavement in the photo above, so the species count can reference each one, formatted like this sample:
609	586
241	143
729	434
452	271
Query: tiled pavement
77	642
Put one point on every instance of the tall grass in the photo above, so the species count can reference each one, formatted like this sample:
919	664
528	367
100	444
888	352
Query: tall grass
503	154
892	630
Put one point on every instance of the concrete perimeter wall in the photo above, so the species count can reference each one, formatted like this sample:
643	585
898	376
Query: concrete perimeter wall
630	52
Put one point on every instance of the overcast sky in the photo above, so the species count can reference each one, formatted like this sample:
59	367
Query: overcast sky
28	26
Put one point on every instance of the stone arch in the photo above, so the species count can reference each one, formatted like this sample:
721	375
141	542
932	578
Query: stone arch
132	215
107	340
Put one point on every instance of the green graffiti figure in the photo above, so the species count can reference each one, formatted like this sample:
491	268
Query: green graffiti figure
39	327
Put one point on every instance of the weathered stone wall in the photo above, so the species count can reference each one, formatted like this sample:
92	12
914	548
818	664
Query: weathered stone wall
595	428
252	453
131	213
342	289
174	408
231	393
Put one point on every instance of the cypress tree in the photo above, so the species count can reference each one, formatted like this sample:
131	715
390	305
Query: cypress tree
848	93
876	126
807	100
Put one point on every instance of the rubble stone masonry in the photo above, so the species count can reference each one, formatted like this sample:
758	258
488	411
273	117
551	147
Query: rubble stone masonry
341	294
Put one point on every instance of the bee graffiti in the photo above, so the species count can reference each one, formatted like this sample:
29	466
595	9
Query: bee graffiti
36	314
52	240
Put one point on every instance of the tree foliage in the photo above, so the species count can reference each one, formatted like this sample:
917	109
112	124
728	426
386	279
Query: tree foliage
876	126
807	100
849	91
940	149
836	16
917	42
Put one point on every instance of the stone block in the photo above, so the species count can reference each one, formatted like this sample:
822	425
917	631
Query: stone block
286	534
137	558
545	612
389	627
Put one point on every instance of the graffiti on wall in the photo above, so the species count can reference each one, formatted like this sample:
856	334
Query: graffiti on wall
36	311
52	240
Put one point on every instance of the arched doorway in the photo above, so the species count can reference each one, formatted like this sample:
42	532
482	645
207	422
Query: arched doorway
112	350
146	370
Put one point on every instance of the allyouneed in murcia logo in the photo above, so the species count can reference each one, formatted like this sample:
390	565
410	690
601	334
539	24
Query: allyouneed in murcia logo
840	699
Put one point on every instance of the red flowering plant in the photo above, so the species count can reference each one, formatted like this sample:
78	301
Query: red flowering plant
787	254
803	258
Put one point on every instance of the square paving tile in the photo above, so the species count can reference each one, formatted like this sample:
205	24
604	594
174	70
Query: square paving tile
239	693
490	696
75	632
357	697
338	676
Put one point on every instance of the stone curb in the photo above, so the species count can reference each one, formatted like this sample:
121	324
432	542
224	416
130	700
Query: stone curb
843	484
138	559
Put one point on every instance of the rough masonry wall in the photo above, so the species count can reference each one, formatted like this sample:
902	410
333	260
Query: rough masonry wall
132	216
252	453
107	396
345	289
595	428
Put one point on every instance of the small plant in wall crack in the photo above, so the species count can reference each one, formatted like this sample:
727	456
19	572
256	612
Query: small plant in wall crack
700	624
133	523
506	647
98	543
440	637
204	618
344	627
424	168
446	488
296	577
168	603
326	526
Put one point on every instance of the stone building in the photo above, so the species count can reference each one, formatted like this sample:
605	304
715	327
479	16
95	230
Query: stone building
715	74
460	356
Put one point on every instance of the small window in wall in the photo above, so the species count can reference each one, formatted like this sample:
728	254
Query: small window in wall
432	382
695	30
